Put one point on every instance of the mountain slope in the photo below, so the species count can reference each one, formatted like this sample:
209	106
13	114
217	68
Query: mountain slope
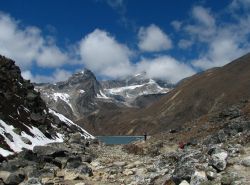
25	121
132	87
89	102
196	96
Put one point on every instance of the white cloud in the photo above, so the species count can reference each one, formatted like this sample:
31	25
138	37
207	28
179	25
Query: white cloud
237	4
177	25
184	44
101	53
165	67
51	57
221	42
203	16
57	76
153	39
204	26
221	51
26	45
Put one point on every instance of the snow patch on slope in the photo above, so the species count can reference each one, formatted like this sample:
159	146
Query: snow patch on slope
63	96
137	90
16	143
69	123
102	95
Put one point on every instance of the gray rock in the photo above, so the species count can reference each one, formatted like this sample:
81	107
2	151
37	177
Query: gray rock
198	177
31	96
246	161
32	181
50	151
26	140
119	163
184	182
11	178
75	138
218	160
73	162
78	173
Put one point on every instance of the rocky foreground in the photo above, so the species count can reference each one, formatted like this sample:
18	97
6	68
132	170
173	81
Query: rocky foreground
223	157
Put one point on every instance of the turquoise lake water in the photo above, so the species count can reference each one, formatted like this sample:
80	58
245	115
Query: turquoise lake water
116	140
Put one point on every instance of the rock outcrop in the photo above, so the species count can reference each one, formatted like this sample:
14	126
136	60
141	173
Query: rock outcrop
25	120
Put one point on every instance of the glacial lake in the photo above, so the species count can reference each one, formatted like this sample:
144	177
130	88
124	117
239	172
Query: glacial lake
118	140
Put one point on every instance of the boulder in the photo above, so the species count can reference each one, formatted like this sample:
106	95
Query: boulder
246	161
184	182
75	138
198	177
50	151
73	162
26	140
218	160
128	172
78	173
11	178
119	163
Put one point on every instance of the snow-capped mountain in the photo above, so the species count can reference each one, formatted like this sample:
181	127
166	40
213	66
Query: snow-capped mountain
130	92
89	102
82	94
76	97
25	120
132	87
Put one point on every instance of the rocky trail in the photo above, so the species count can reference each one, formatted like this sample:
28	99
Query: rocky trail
221	158
155	162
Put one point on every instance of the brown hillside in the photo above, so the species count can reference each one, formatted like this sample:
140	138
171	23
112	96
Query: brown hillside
196	96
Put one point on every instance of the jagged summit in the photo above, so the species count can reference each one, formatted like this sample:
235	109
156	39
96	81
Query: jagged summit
82	95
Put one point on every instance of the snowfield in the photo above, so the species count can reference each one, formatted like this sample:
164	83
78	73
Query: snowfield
17	144
133	91
69	123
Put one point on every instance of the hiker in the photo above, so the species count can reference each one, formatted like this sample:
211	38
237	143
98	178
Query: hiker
145	136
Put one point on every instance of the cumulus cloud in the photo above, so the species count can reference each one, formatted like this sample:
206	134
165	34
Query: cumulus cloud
51	57
165	67
58	75
27	45
222	42
104	55
221	51
153	39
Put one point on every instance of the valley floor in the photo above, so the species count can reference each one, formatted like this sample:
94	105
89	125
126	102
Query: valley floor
115	165
220	158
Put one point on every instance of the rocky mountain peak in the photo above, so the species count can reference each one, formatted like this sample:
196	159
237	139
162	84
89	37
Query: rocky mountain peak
81	76
25	120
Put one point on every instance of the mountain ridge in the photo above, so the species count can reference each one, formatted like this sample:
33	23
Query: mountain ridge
83	97
25	120
196	96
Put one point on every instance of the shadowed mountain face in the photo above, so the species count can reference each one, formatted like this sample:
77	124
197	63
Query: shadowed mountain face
25	120
90	102
103	107
74	97
196	96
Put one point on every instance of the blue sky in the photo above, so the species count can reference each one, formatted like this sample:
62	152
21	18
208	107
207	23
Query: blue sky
169	40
